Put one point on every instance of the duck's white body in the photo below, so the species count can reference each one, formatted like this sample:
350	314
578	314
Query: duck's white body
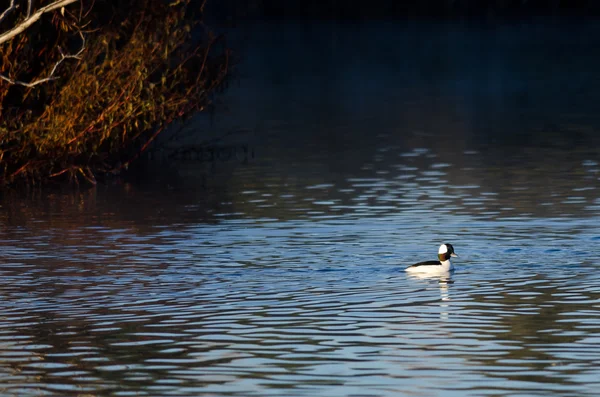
443	265
438	267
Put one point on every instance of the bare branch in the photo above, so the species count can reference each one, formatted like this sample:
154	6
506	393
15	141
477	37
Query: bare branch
29	7
8	10
21	27
53	71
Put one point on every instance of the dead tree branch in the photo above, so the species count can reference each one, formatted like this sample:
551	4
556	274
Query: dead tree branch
29	7
27	22
31	19
53	71
8	10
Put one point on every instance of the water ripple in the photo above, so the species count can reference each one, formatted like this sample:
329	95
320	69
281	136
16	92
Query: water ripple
225	321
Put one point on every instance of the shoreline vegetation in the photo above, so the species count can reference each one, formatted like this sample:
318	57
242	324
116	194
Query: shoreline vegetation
87	86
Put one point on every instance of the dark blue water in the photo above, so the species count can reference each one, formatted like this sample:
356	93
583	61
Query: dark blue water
279	270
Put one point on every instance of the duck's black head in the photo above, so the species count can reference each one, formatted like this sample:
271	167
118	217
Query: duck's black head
445	252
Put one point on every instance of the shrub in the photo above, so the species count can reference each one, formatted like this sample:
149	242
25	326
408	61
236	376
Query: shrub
136	66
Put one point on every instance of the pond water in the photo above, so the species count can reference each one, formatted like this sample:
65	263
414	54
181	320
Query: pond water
279	270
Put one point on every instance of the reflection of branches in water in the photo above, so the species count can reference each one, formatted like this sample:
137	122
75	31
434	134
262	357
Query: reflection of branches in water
24	207
211	153
526	330
57	340
210	150
14	369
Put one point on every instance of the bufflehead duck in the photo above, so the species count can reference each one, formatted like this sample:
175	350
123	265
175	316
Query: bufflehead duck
443	265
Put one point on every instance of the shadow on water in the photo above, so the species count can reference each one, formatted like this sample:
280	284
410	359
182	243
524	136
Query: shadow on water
282	273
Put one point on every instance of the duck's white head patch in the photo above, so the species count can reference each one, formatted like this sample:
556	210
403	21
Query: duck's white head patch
443	249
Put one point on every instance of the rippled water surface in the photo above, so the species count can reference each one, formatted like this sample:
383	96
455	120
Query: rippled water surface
282	273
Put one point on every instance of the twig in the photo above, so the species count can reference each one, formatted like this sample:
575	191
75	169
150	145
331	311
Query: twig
51	74
23	168
60	172
25	24
88	175
8	10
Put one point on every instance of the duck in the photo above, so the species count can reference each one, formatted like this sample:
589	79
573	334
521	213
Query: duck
443	265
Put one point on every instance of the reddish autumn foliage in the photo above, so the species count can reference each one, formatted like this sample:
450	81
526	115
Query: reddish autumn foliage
129	69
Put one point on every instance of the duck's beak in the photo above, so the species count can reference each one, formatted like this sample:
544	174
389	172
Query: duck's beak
454	255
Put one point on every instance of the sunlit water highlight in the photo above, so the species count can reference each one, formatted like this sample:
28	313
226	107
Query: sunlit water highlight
284	276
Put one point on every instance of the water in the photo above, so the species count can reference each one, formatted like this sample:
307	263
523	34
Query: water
281	273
